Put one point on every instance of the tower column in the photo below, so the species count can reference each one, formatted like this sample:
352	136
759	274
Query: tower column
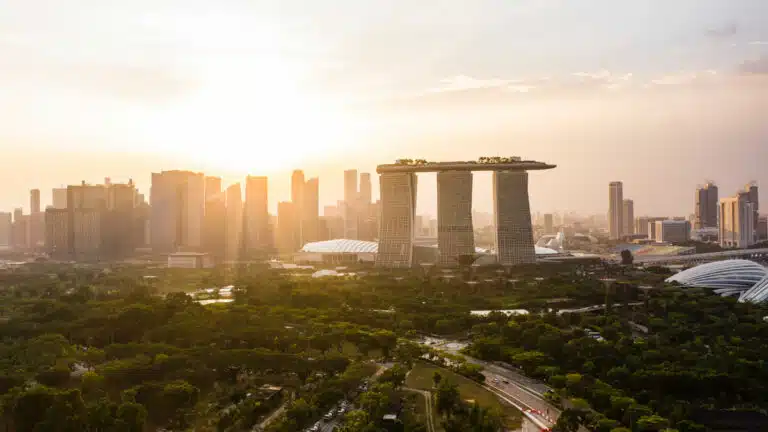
398	206
455	235
512	216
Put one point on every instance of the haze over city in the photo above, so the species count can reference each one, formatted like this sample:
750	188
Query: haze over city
660	95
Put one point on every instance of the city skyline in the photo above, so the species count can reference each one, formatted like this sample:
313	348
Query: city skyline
603	101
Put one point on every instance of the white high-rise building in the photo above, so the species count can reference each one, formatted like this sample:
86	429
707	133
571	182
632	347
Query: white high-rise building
737	221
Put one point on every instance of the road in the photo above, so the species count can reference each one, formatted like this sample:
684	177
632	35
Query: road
428	402
329	425
512	387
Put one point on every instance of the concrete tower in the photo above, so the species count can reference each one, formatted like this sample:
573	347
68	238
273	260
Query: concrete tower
455	236
512	214
398	191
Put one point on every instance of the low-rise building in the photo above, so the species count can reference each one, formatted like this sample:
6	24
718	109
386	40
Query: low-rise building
189	260
673	231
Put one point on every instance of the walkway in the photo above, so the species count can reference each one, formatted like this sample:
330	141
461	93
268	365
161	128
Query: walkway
428	406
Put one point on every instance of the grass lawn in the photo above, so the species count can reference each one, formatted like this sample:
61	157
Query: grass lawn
421	378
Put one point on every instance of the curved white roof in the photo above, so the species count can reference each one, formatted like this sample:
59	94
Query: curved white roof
362	246
544	250
341	246
726	277
756	294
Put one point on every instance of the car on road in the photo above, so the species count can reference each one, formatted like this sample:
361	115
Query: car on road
496	380
505	381
329	415
315	427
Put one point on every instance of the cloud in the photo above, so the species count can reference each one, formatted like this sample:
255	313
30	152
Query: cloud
683	78
603	79
724	31
464	82
757	66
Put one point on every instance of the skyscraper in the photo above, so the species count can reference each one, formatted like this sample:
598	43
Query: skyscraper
706	206
615	210
36	220
548	223
297	188
350	209
737	221
212	187
34	201
257	235
628	217
120	221
234	223
6	230
512	213
59	196
455	236
178	207
350	186
287	237
365	189
751	190
398	190
310	211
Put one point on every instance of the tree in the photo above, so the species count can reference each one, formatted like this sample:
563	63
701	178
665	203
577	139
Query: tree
626	257
568	421
447	399
436	378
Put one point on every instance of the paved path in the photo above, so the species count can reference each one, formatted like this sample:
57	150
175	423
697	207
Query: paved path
428	406
272	417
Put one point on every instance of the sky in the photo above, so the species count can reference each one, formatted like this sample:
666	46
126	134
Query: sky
660	95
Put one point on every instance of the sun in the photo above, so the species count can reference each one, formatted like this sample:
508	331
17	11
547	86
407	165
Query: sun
251	116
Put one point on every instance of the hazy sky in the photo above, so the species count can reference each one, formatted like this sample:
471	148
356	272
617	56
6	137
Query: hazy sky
659	94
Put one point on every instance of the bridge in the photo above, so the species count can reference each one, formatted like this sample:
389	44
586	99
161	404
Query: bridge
751	254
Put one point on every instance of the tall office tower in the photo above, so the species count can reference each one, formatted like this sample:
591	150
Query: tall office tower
615	210
59	196
455	236
751	190
85	224
57	233
737	221
673	231
350	186
178	207
234	223
20	233
215	226
297	188
297	198
350	209
548	223
705	213
257	235
34	201
6	230
310	211
628	217
366	190
212	187
120	222
512	213
398	191
36	223
287	237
